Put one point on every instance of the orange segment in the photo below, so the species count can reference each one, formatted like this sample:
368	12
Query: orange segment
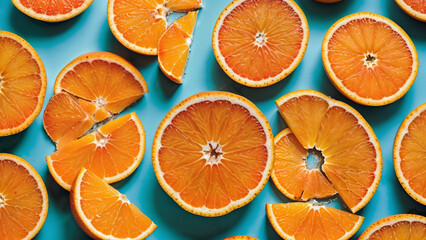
23	199
173	47
104	213
22	84
240	237
184	5
113	152
258	43
369	59
414	8
314	222
213	153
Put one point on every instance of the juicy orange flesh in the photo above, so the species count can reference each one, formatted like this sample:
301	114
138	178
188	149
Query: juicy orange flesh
243	154
278	29
417	5
304	221
106	210
400	230
23	201
293	175
413	155
20	83
52	7
348	50
183	5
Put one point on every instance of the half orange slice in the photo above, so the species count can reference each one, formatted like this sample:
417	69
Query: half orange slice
414	8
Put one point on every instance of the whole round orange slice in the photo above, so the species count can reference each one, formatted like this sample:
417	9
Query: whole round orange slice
337	133
22	84
104	213
294	221
240	237
23	199
213	153
369	59
397	227
112	152
409	154
173	47
414	8
258	43
52	10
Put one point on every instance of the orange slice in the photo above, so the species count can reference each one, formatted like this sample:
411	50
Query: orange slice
139	24
104	213
337	132
22	84
414	8
310	221
369	59
409	154
52	10
240	237
397	227
213	153
259	43
23	199
112	152
173	47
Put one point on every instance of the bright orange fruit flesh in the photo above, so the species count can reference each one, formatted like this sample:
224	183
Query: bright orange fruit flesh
112	152
314	222
418	6
22	84
173	47
52	7
23	199
240	237
352	155
104	213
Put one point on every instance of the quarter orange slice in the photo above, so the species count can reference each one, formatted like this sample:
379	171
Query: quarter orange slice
104	213
52	10
112	152
409	154
294	221
22	84
213	153
258	43
397	227
369	59
414	8
173	47
337	132
23	199
240	237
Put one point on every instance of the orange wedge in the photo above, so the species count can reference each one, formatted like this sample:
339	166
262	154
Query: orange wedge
23	199
310	221
409	154
112	152
139	24
173	47
414	8
52	10
259	43
334	130
22	84
397	227
369	59
240	237
213	153
104	213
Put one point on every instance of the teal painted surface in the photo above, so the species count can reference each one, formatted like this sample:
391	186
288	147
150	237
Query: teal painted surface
59	43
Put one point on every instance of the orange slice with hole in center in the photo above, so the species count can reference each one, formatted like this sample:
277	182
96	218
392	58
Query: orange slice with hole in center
104	213
369	59
240	237
23	199
414	8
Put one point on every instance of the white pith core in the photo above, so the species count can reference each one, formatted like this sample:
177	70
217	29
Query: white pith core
100	102
100	140
124	199
162	11
370	60
2	201
212	153
260	39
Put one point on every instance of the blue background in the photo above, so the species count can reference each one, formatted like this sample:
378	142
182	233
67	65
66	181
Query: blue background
59	43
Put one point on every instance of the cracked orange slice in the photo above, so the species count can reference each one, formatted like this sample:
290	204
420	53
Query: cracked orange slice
414	8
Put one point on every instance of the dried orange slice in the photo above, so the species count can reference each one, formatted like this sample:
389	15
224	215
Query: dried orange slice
173	47
23	199
310	221
414	8
112	152
337	132
213	153
22	84
104	213
397	227
259	43
52	10
240	237
409	154
369	59
139	24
